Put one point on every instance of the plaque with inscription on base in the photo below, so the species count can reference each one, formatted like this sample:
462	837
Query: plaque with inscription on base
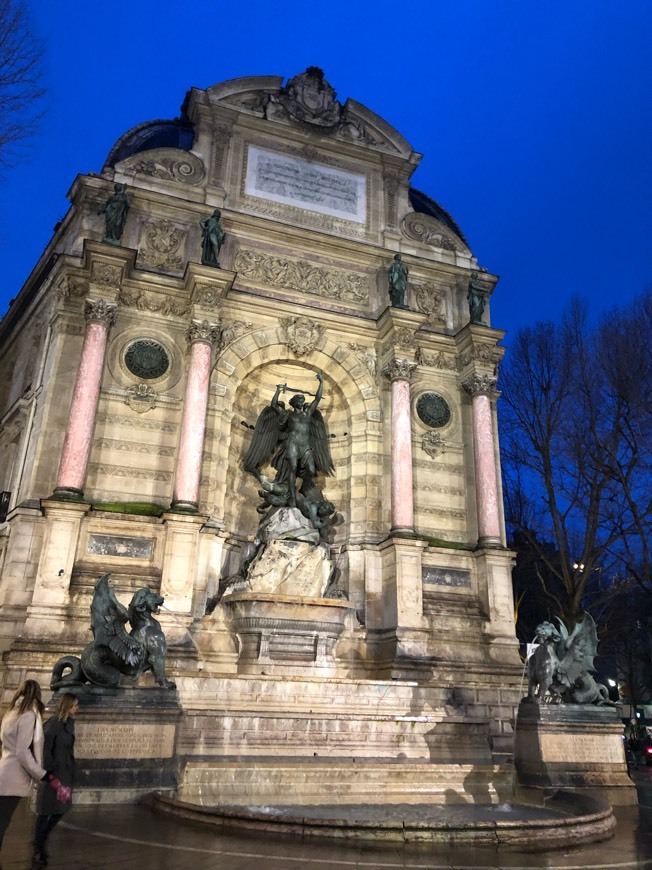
125	743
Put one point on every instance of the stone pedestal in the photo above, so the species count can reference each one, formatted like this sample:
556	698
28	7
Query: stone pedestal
572	746
125	743
284	634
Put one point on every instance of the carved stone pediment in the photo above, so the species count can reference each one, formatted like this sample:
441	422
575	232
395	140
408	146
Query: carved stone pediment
429	231
165	164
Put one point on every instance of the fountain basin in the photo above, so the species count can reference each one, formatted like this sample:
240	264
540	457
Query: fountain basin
565	819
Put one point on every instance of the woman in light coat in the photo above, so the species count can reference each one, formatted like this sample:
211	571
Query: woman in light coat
21	733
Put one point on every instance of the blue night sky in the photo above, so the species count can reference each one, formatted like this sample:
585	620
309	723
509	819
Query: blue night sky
534	118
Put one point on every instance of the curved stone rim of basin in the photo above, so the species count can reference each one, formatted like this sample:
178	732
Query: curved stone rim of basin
588	819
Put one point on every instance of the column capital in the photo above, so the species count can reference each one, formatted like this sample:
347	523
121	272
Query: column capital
100	311
204	331
481	385
399	370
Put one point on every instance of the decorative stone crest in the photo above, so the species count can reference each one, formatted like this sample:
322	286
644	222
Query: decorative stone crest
167	165
307	98
431	301
301	276
436	361
429	231
100	311
433	444
302	334
106	274
141	398
481	385
162	245
204	331
399	369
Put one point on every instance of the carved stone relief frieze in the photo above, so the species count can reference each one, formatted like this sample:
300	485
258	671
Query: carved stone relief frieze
485	353
443	361
305	218
70	287
431	301
366	355
147	302
208	296
106	274
233	331
161	245
301	276
405	338
429	231
301	334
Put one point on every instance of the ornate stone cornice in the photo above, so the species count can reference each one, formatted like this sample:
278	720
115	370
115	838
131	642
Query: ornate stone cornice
100	311
399	370
204	331
481	385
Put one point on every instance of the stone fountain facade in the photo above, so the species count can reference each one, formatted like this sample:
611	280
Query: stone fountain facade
132	375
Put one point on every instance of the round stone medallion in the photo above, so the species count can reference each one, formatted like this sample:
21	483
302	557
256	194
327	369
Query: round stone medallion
147	359
433	410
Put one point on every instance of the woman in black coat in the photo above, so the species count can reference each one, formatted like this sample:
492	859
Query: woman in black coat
59	759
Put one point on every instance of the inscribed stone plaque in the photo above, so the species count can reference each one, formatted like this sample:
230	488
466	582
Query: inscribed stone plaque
297	182
111	545
117	740
446	577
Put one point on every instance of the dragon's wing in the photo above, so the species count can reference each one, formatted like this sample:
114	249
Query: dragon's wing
579	650
108	618
263	441
320	445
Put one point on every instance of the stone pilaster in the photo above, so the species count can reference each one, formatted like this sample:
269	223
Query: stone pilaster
482	389
400	372
100	316
202	335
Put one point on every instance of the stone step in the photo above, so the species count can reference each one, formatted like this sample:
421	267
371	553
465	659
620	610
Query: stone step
278	783
362	736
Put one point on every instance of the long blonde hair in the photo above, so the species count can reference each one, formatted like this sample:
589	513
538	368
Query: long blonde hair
65	703
29	695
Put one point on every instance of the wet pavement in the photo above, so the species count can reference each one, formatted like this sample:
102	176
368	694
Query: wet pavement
138	838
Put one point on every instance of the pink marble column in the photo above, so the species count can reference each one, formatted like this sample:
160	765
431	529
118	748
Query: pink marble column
100	316
202	336
399	372
482	389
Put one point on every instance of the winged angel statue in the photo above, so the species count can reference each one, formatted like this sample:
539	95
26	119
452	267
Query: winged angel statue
114	651
296	441
558	670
